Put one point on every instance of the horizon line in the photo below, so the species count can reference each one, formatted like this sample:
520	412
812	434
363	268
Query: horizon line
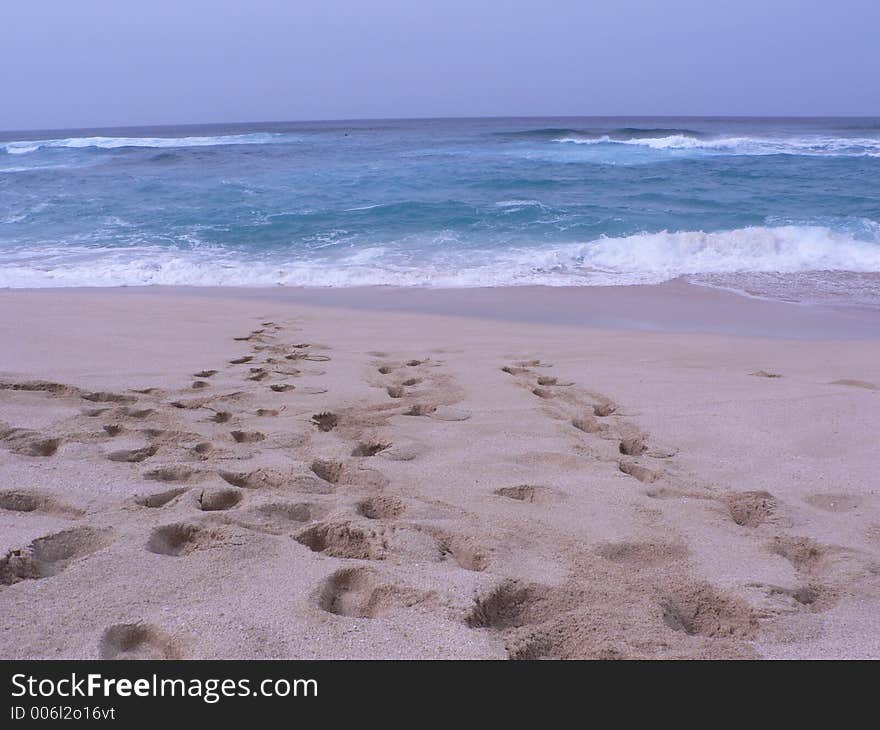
352	120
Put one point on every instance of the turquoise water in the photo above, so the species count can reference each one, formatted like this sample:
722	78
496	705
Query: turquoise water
780	208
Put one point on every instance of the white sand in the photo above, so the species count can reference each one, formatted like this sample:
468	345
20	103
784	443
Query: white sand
502	521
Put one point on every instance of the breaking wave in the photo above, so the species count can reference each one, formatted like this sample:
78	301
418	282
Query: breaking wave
637	259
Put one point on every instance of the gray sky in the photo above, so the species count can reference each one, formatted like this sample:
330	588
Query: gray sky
80	63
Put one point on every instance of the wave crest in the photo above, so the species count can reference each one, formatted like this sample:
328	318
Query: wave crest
22	147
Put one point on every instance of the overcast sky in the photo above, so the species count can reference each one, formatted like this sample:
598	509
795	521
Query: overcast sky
81	63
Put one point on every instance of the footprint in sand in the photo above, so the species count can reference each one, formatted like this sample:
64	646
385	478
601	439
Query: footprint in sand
202	450
604	409
774	600
219	499
462	550
855	383
138	413
103	397
529	493
345	540
42	386
369	448
834	502
136	641
49	555
381	507
133	455
329	471
276	518
439	413
20	500
403	450
588	424
750	509
699	609
160	499
510	604
641	554
27	443
276	479
805	554
247	437
547	381
171	474
182	538
633	446
312	390
639	472
532	364
325	421
95	412
360	593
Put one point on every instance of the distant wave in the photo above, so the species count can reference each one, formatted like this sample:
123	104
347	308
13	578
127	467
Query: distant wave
621	134
636	259
844	146
110	143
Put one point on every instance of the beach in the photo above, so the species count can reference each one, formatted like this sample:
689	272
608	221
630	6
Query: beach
607	472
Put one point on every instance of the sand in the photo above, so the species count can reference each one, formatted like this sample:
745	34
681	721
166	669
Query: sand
656	472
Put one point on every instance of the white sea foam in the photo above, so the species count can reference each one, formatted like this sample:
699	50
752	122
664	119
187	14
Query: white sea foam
108	143
818	145
639	259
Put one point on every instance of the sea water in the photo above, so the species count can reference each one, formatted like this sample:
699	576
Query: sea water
780	208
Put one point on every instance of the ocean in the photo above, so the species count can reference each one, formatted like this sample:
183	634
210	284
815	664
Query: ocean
780	208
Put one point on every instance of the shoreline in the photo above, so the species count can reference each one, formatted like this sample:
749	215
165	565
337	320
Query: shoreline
673	307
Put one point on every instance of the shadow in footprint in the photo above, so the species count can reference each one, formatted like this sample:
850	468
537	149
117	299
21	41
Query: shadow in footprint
136	641
510	604
170	474
247	437
160	499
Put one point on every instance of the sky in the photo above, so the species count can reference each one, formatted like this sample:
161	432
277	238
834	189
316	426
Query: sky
95	63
